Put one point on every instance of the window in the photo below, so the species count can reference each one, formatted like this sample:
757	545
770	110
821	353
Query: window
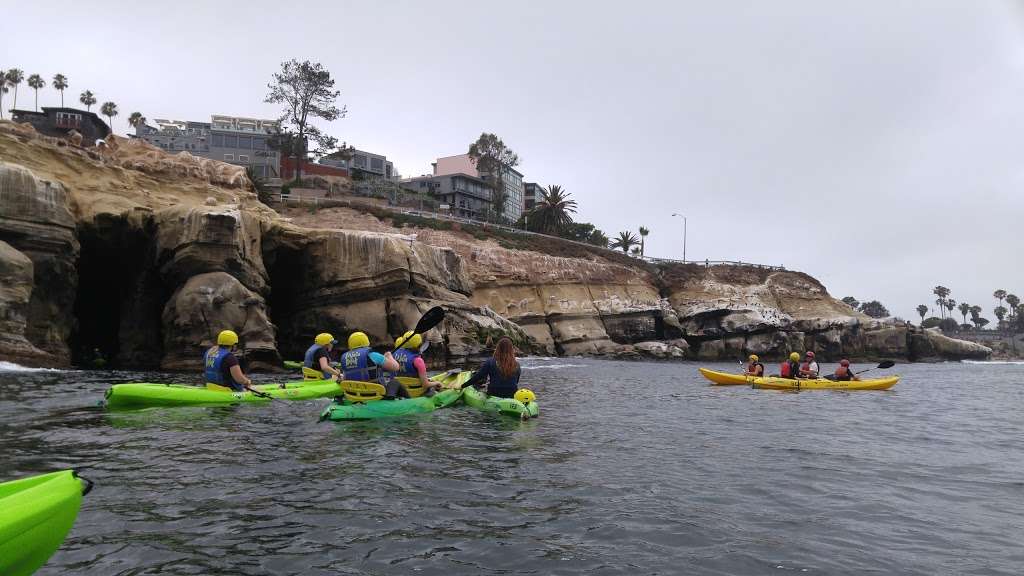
261	171
359	161
229	157
259	143
245	142
218	140
243	158
376	164
230	141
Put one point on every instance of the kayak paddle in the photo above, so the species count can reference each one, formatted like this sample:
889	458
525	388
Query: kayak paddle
881	365
432	318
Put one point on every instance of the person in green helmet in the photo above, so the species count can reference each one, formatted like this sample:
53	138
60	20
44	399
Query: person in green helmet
791	367
221	366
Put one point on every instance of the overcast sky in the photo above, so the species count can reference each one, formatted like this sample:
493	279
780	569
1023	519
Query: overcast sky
875	145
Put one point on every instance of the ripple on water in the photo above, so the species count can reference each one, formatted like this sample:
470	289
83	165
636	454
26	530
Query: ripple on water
633	468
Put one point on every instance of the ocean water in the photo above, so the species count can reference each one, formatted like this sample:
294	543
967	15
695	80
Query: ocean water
632	468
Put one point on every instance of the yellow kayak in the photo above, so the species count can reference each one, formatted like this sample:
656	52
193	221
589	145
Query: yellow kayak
773	383
725	378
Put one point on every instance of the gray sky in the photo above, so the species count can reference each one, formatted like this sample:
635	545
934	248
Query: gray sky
875	145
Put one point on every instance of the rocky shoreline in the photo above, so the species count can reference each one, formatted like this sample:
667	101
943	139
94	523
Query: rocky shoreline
146	255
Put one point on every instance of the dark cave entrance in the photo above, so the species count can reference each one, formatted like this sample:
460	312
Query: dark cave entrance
285	269
119	297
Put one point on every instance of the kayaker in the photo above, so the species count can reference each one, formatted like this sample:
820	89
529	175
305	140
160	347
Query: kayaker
791	367
500	372
843	372
409	357
222	367
754	367
318	356
809	369
364	365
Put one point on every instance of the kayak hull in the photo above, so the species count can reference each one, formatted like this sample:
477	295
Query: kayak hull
725	378
37	514
150	395
504	406
773	383
340	411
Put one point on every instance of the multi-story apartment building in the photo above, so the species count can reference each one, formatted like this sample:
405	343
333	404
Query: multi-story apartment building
531	195
363	164
512	181
466	195
231	139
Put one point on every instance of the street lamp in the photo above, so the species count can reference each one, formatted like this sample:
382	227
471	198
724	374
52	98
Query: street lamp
684	234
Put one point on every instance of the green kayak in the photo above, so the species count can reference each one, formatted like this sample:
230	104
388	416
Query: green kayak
506	406
293	365
147	395
36	513
390	408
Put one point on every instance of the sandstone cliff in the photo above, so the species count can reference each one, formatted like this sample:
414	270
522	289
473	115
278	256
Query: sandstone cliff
146	256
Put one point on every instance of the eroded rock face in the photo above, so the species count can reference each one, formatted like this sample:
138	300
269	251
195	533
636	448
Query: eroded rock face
35	219
16	273
205	305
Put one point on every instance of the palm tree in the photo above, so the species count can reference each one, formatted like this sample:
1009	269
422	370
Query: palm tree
999	295
88	99
3	90
36	82
552	213
1000	312
1014	302
15	76
625	241
635	251
109	109
136	119
60	83
950	305
922	310
643	234
965	309
941	292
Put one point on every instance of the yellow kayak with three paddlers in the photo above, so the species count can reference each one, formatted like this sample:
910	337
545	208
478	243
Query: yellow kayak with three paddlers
776	383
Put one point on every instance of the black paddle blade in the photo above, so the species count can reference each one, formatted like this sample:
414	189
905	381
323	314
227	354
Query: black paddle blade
432	318
886	364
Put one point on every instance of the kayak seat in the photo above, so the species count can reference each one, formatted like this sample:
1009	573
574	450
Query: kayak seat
412	385
356	391
310	374
218	387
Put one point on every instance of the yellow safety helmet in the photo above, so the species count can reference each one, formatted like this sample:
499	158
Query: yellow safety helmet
323	339
358	340
754	358
795	357
227	338
409	340
525	395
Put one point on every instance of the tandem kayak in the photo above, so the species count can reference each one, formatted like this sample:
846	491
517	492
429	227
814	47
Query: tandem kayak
148	395
390	408
773	383
725	378
36	513
506	406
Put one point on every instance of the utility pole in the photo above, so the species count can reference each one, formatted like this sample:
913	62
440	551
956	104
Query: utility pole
684	234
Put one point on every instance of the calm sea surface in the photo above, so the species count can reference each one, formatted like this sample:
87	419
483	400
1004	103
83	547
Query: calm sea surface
632	468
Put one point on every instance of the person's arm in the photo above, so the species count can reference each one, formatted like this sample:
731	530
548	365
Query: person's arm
240	378
390	364
325	366
421	371
479	377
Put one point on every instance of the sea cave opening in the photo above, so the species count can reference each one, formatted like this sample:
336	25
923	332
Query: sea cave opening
285	269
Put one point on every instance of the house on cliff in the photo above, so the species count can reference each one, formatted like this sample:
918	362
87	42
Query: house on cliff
59	122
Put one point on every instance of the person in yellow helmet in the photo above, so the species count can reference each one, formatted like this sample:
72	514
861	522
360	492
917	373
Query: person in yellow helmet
791	367
408	353
754	367
221	366
364	365
318	356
